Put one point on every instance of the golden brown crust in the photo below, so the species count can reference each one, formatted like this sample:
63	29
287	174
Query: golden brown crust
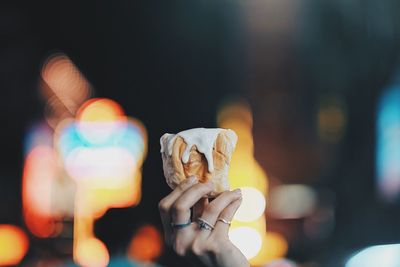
176	171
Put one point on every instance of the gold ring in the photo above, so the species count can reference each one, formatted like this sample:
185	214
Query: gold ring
224	221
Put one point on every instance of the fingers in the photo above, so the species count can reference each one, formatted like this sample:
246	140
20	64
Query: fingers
180	210
227	214
166	203
199	207
213	210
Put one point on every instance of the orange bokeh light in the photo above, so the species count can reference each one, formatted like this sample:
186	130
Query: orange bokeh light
146	245
39	172
13	245
100	110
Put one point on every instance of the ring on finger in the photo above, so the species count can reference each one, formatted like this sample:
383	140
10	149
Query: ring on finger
224	221
204	225
180	225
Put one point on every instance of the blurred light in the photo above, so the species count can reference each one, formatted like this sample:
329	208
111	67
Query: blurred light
38	135
92	252
13	245
107	167
388	143
331	119
248	230
383	255
103	151
292	201
146	245
281	263
39	173
274	246
99	120
253	205
247	240
65	82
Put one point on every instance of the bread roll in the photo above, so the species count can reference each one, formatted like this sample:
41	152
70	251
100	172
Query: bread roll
205	153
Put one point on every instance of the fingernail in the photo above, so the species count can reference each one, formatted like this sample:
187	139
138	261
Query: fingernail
192	180
237	192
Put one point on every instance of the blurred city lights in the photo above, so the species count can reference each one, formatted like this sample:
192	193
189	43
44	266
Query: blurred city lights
388	143
13	245
102	150
382	255
40	171
146	245
64	88
248	230
292	201
91	252
253	205
248	240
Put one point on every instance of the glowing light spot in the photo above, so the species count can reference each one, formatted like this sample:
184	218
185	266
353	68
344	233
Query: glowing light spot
253	205
13	245
146	244
383	255
100	109
99	120
247	239
63	87
106	167
92	253
388	143
39	173
292	201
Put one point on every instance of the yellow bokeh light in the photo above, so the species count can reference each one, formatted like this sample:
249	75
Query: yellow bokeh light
248	240
100	109
253	205
92	252
13	245
274	247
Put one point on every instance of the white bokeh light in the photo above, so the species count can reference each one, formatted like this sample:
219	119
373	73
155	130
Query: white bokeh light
253	205
247	239
383	255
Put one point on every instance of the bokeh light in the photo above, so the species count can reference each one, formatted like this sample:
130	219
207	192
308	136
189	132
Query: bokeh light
388	143
92	252
13	245
253	205
40	171
382	255
146	244
248	240
64	88
292	201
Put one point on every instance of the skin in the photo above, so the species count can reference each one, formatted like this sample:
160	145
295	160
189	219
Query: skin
210	248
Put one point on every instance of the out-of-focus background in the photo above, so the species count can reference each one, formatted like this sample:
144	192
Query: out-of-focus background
311	87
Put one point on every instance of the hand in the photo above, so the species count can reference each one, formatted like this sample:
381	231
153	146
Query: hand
211	247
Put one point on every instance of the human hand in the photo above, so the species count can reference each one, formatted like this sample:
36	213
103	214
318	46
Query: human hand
207	240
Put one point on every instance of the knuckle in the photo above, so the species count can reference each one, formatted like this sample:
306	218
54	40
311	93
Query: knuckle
197	249
182	186
163	206
179	248
211	210
178	207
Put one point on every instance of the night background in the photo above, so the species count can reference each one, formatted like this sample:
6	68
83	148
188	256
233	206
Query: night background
321	79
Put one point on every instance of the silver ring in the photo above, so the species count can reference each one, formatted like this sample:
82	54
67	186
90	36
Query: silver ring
180	225
204	225
224	221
